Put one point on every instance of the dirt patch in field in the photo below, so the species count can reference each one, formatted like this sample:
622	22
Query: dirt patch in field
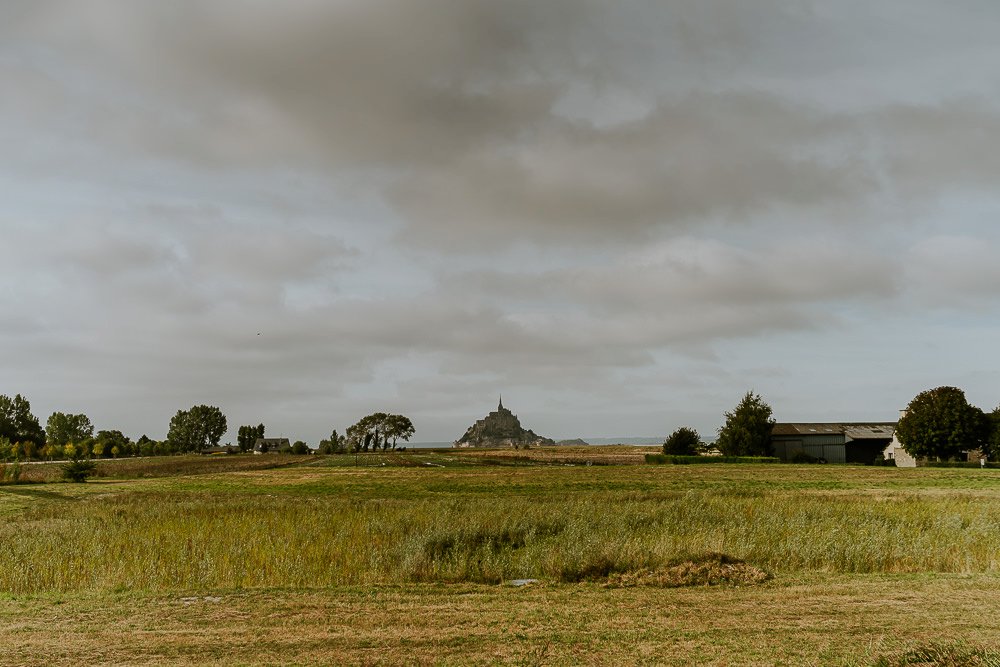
708	570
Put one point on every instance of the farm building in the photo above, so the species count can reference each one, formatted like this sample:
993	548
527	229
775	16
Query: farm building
835	443
264	445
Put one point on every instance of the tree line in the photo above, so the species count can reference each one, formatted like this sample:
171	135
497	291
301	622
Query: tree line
937	424
72	436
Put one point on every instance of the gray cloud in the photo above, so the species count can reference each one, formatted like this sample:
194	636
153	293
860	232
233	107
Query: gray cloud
454	108
600	207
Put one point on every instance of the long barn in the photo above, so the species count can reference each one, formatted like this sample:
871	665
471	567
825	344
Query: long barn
854	442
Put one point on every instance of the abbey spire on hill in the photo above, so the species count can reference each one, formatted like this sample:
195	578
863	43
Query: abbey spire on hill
500	428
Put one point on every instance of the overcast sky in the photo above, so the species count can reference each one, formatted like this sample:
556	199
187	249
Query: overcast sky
621	215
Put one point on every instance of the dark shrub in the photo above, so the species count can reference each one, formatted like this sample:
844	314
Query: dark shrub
78	470
684	442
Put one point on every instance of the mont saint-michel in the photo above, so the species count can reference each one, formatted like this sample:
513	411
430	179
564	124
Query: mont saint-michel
500	428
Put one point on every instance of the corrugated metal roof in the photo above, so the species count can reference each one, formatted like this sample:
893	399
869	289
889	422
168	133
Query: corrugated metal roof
853	430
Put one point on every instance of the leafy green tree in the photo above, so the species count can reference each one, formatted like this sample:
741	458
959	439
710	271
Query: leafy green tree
85	448
195	429
940	423
747	431
114	439
53	451
299	448
17	424
335	444
145	446
247	436
682	442
338	443
377	429
364	431
398	427
62	428
992	444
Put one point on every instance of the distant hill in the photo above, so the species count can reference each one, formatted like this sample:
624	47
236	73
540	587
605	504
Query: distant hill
574	442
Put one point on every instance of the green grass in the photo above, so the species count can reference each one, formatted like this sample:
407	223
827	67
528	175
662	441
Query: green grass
400	559
330	523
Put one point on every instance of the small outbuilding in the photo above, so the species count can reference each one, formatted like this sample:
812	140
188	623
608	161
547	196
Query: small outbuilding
842	442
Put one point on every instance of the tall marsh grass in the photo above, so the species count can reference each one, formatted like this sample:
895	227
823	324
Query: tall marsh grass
170	539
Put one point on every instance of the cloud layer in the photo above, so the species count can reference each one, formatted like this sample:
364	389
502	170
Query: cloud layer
625	217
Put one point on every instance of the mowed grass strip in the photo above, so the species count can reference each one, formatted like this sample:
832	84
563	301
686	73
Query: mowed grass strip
805	619
349	526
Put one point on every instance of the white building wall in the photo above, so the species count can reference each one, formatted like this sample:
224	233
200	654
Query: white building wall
896	452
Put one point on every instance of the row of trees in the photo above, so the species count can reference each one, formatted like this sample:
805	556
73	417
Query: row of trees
746	432
71	436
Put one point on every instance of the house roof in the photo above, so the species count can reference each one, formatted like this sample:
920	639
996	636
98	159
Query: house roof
853	430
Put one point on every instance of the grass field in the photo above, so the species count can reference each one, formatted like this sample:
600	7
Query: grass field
407	558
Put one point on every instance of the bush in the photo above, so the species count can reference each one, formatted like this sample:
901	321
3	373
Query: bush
78	470
683	460
300	448
684	442
803	457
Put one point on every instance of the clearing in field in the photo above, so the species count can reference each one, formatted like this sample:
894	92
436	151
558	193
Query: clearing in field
409	558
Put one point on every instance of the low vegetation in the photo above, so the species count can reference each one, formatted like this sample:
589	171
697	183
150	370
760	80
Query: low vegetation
673	564
486	524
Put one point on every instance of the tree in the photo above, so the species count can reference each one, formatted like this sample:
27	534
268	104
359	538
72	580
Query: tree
114	440
992	444
335	444
398	427
682	442
338	443
247	436
53	451
940	423
62	428
195	429
747	431
365	433
77	470
299	448
145	446
375	431
17	424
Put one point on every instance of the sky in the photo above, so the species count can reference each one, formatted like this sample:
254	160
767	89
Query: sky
620	215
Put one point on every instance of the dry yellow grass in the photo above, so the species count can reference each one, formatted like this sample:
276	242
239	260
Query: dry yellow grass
809	620
580	455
